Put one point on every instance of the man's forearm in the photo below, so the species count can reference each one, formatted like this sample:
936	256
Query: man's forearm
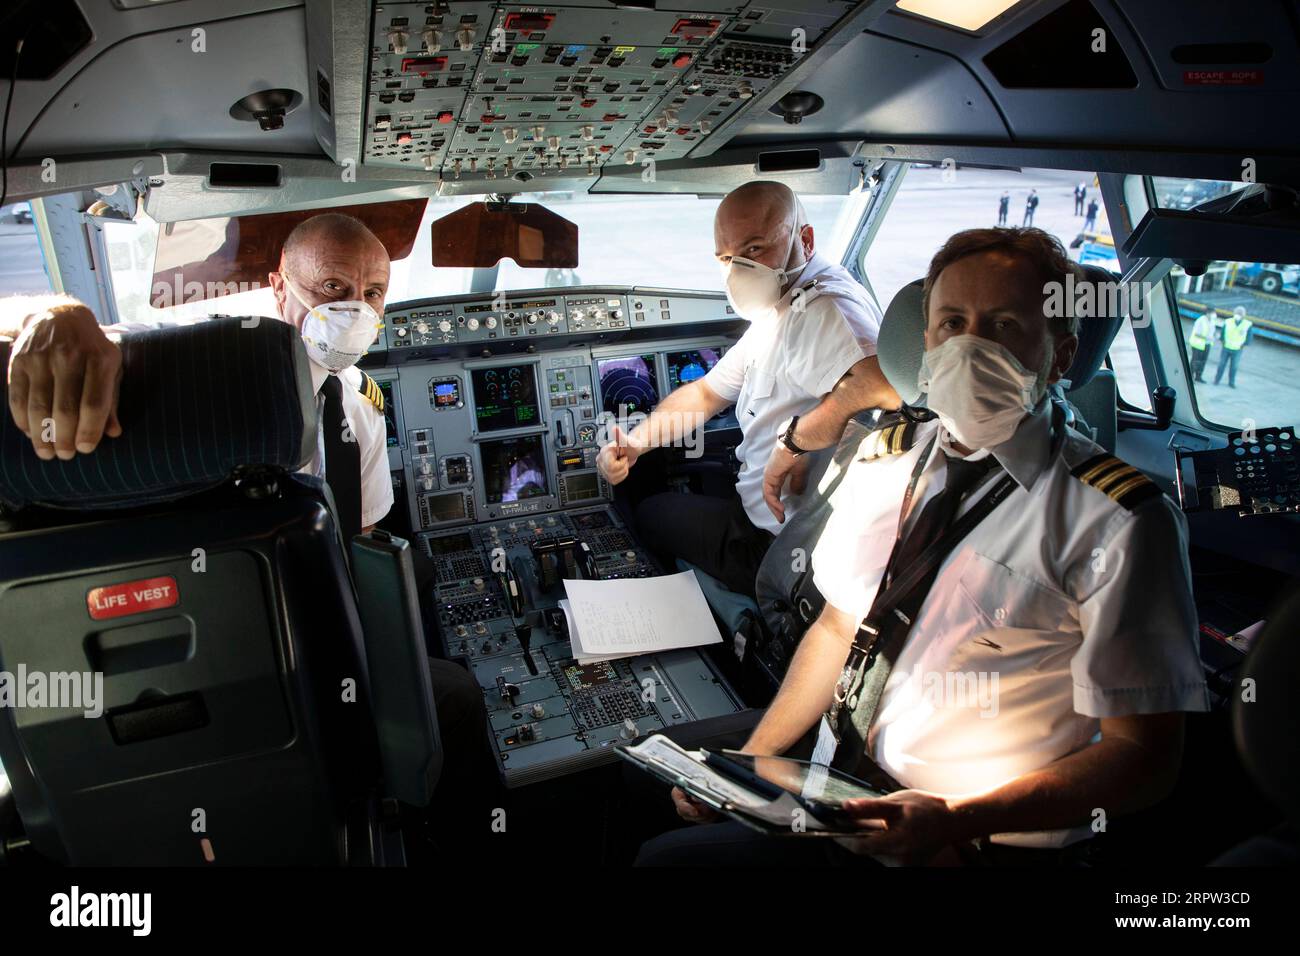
862	386
15	311
805	692
684	410
1113	775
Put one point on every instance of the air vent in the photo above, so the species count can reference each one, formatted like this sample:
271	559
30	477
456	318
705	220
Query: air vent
1061	52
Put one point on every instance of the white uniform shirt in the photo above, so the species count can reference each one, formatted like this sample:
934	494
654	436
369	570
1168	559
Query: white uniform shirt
785	367
1061	607
366	421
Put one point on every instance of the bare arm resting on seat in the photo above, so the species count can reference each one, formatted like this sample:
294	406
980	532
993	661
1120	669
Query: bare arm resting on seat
64	374
863	386
805	693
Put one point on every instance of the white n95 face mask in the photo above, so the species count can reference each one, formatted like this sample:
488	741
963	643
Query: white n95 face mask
979	390
337	333
753	289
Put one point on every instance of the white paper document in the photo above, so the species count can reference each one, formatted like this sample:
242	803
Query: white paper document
625	617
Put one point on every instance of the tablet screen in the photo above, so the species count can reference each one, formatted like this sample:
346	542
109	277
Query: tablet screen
809	780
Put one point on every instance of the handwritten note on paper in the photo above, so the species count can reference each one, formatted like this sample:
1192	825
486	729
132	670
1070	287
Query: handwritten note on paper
638	616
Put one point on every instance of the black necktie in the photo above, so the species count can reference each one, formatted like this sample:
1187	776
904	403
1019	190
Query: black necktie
938	512
342	460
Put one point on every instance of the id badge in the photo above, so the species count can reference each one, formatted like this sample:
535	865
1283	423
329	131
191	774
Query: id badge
824	750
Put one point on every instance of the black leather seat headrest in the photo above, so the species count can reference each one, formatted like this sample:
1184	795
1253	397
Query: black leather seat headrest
197	402
1098	328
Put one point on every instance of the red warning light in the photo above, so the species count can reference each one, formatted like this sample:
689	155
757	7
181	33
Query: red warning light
424	65
695	28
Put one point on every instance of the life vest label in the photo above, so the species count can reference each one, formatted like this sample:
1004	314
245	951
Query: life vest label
133	597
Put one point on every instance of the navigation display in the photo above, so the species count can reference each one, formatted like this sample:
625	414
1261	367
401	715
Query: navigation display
686	367
505	396
514	469
628	385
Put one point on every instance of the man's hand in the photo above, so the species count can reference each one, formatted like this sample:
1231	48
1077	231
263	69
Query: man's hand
910	825
64	372
782	465
691	810
618	457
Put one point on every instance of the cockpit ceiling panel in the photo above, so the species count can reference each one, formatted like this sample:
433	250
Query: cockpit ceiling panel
175	87
556	89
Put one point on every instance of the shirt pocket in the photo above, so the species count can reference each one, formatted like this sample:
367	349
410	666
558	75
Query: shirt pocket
1013	617
760	383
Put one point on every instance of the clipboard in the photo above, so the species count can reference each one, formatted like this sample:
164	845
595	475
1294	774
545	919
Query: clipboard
665	760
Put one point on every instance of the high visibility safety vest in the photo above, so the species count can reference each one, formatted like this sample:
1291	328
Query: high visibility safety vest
1234	334
1201	331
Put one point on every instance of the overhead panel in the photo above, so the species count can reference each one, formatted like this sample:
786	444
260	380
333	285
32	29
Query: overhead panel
562	90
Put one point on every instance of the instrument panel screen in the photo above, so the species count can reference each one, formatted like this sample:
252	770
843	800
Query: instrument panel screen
505	396
686	367
390	413
514	469
446	507
628	385
451	544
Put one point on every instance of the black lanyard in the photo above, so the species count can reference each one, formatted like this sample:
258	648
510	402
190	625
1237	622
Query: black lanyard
898	584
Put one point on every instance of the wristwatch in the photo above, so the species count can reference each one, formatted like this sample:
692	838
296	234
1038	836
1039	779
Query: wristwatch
787	439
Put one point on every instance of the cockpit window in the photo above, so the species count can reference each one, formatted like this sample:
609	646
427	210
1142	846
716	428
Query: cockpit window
1240	325
663	240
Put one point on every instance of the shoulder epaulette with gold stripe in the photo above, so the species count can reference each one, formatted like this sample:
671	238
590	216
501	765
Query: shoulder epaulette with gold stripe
371	390
890	440
1117	480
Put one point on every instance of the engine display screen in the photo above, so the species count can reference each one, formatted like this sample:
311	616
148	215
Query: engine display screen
628	385
687	367
505	397
514	469
581	487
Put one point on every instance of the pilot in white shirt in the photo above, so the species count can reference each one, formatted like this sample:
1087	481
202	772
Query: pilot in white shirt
1037	685
1069	603
805	365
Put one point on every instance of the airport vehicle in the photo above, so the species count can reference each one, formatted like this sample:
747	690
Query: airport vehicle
167	148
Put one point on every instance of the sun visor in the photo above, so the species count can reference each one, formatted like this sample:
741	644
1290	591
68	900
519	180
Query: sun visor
206	258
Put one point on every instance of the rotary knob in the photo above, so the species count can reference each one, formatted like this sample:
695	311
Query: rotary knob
422	327
532	318
401	332
490	321
616	313
444	326
471	324
538	711
478	584
552	318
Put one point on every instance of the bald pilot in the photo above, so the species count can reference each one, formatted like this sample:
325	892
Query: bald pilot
806	364
331	285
